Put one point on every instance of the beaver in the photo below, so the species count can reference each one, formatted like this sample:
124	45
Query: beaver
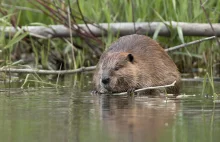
134	62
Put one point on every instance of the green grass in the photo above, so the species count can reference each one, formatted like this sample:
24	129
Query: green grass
24	13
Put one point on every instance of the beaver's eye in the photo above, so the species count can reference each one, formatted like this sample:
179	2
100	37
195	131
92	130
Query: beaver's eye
117	67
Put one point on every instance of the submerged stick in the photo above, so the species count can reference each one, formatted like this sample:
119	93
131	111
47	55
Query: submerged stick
82	69
147	88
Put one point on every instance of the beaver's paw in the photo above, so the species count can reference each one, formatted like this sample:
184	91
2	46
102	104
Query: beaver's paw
94	92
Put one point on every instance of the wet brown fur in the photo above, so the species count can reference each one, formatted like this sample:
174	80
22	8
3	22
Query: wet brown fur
150	66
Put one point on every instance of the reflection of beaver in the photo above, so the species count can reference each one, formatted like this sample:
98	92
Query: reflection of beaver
133	62
137	119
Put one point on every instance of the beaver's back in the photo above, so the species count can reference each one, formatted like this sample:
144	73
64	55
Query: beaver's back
138	44
145	48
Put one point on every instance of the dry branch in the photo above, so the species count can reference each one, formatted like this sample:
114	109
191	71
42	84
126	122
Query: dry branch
13	70
189	43
208	19
148	88
52	31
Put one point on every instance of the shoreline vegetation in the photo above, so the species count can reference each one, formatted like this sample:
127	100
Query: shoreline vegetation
68	36
90	68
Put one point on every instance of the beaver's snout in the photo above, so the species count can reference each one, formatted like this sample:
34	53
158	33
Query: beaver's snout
105	80
105	84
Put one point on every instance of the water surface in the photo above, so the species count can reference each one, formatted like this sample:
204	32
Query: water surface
73	114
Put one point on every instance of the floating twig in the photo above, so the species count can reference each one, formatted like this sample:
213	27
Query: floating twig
184	96
147	88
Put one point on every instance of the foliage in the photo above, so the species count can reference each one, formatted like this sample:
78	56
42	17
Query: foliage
84	50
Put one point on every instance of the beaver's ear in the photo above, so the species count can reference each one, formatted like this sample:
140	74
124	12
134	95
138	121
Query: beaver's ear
130	58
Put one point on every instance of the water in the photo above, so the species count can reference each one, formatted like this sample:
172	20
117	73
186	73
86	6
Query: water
73	114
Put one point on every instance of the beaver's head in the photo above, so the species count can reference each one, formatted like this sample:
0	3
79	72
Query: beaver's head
117	72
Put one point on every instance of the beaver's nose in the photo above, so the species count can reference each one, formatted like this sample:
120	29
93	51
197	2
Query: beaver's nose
105	80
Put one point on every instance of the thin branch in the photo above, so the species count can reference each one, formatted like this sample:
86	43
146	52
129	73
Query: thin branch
133	18
207	17
79	32
21	8
58	17
217	79
13	70
147	88
189	43
83	19
71	38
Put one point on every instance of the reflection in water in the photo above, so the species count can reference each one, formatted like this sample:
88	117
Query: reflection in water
73	115
137	119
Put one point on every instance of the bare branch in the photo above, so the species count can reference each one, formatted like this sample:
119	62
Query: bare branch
21	8
207	17
13	70
52	31
147	88
189	43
